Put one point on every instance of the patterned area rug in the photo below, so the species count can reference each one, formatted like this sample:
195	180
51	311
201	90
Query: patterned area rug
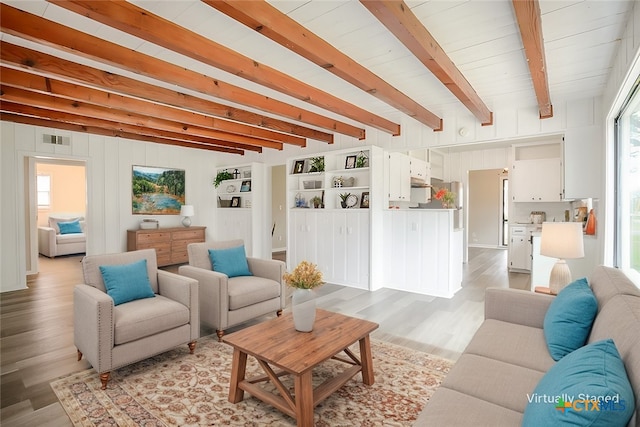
181	389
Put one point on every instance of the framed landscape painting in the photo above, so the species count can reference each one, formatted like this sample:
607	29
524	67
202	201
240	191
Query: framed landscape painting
157	191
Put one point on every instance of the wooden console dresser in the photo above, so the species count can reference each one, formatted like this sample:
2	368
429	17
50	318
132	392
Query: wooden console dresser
170	243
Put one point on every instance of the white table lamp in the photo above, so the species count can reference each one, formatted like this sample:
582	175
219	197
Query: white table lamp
562	240
186	211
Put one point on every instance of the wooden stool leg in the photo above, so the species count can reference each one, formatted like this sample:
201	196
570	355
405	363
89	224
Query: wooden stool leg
220	333
104	379
192	346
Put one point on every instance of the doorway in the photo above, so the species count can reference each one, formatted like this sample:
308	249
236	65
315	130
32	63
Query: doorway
55	186
279	212
486	208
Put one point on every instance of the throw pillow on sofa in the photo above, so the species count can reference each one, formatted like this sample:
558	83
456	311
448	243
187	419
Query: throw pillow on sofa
70	227
127	282
588	387
230	261
568	320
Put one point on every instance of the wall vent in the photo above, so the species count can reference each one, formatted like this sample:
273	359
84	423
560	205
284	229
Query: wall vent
56	139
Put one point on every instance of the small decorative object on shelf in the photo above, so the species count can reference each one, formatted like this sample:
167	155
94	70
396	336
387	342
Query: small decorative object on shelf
304	278
338	181
316	164
222	176
316	202
245	186
364	200
348	200
446	197
298	166
350	162
300	201
235	202
590	227
236	174
362	161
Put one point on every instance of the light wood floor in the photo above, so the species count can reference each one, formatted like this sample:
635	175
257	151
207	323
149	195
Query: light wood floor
36	344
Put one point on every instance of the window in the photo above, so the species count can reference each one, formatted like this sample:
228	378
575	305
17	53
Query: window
43	189
627	157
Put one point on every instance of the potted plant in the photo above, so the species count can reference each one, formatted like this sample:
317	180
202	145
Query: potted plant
316	164
361	160
343	199
304	279
222	176
316	202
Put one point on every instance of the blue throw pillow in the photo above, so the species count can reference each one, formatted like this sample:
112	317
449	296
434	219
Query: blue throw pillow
588	387
231	261
70	227
127	282
568	320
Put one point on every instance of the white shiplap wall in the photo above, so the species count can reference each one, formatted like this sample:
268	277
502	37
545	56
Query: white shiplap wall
109	162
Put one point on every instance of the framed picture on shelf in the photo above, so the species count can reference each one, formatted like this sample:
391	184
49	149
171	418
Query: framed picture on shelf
245	186
235	202
364	199
350	162
298	166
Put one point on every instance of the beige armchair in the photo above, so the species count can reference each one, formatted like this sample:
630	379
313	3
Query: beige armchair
226	302
112	336
51	243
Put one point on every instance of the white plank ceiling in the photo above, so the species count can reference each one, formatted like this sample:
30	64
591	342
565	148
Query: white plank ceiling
480	36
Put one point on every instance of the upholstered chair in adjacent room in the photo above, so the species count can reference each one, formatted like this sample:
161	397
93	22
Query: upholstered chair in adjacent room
234	288
127	310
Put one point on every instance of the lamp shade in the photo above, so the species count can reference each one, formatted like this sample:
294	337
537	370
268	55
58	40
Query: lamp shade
186	210
562	240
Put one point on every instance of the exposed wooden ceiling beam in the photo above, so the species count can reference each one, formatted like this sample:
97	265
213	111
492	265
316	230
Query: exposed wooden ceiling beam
24	97
51	66
24	80
270	22
46	122
134	20
530	24
25	25
400	20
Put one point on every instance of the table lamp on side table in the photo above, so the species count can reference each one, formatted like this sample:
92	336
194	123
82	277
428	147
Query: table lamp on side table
186	211
562	240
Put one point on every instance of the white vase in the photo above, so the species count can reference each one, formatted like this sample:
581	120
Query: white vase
303	307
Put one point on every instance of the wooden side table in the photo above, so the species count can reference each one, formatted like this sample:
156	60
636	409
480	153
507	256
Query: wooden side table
543	290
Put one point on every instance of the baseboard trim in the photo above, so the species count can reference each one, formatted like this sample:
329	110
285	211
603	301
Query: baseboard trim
476	245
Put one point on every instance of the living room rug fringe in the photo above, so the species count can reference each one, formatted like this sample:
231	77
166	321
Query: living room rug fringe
181	389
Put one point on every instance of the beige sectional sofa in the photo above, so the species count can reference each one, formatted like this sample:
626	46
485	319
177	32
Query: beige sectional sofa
489	385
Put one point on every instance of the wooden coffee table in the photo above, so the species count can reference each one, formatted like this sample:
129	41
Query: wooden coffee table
276	344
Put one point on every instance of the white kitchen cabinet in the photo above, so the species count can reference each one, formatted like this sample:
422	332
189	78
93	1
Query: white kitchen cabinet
419	169
399	177
519	248
538	180
303	239
537	172
583	170
350	249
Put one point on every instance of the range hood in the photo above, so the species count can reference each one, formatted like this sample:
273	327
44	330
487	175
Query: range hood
419	183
